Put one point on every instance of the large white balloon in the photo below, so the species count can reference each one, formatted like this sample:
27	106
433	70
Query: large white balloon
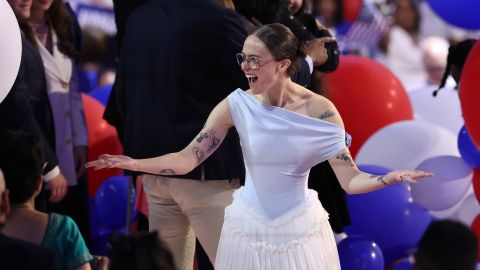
452	212
447	187
10	49
443	110
468	210
405	144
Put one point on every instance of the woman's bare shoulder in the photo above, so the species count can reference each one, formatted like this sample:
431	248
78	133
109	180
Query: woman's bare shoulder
322	108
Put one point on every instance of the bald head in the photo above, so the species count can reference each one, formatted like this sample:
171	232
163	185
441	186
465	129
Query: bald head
435	52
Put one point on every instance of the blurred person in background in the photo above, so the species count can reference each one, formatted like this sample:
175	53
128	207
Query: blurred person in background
402	51
28	108
457	55
56	38
434	57
21	160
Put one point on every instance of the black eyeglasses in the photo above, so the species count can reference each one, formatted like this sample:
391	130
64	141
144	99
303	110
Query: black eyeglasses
253	62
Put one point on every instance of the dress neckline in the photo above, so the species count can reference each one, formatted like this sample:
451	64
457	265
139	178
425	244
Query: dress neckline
286	111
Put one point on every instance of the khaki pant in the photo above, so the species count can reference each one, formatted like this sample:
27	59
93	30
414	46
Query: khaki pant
180	209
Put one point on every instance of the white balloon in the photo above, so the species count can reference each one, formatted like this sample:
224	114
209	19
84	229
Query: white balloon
443	110
452	212
468	210
404	144
447	187
10	49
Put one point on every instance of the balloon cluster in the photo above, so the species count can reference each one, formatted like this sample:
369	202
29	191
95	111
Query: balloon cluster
388	132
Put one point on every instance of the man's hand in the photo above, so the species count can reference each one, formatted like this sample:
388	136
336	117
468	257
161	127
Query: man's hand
80	154
58	187
317	51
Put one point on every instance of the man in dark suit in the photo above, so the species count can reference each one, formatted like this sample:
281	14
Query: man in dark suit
20	255
177	62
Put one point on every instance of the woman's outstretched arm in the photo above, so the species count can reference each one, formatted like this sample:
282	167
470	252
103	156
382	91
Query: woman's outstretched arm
354	181
182	162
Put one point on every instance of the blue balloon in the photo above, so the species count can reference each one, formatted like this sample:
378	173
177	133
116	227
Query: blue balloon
101	93
469	152
390	217
95	223
461	13
374	169
111	202
360	253
87	80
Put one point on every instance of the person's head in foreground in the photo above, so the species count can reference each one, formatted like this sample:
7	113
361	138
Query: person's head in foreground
447	245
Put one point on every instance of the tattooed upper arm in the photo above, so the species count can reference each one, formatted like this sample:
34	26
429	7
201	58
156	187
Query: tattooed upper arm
322	108
345	157
205	143
326	114
211	135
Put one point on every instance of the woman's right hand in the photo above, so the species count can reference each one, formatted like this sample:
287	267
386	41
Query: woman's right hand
113	161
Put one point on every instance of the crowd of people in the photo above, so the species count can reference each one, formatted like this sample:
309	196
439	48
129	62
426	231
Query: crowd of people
262	184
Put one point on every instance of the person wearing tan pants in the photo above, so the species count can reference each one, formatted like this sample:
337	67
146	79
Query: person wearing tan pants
182	209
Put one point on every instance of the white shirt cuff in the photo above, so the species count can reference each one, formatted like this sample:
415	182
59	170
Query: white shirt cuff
51	174
310	63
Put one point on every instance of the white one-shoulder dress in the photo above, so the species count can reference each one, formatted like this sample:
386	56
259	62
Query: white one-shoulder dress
275	222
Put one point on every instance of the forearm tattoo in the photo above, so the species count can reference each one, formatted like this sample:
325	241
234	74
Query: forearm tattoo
345	157
198	153
213	141
380	179
326	114
167	172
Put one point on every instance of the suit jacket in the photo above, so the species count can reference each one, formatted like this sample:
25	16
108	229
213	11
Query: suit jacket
27	107
177	62
67	107
20	255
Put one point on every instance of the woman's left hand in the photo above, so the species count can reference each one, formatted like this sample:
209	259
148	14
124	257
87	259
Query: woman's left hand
406	176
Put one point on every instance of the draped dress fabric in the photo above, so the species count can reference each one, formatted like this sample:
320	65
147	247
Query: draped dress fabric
275	221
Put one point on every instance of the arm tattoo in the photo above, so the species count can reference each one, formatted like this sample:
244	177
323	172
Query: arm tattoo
345	157
326	114
380	179
198	153
167	172
213	143
209	135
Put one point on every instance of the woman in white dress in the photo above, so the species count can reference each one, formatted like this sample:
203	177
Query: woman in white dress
274	221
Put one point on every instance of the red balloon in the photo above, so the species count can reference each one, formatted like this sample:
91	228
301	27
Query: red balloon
368	97
476	183
470	94
102	138
351	9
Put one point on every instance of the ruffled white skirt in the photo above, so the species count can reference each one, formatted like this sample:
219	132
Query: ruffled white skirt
300	239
